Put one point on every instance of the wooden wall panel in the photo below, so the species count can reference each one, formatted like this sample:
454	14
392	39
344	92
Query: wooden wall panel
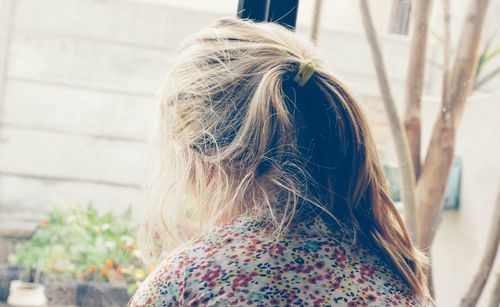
35	195
41	153
71	110
87	64
79	94
153	25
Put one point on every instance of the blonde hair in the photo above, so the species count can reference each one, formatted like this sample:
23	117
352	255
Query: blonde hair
236	133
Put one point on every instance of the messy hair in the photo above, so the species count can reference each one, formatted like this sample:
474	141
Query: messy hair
236	133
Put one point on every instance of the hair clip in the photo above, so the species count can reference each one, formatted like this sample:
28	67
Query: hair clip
306	70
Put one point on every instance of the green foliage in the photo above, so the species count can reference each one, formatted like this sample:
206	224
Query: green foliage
484	59
80	243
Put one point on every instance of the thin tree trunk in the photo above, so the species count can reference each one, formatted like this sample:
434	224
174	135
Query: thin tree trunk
398	132
445	87
446	48
464	68
318	4
432	182
495	294
429	275
415	78
471	298
433	179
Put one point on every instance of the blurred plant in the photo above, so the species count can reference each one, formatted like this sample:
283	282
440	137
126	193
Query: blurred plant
485	58
82	244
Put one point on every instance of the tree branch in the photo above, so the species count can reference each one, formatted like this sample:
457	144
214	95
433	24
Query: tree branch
495	293
464	68
446	48
432	182
318	4
476	288
398	132
415	78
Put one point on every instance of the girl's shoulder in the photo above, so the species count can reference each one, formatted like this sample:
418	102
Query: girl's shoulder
168	284
162	286
244	262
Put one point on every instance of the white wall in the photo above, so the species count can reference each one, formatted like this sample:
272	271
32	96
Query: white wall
461	238
79	88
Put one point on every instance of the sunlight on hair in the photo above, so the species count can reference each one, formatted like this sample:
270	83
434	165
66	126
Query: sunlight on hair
229	139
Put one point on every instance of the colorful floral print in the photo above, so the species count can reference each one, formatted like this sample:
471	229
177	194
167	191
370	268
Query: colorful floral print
242	263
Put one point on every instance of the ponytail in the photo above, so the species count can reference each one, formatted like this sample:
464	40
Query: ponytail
239	130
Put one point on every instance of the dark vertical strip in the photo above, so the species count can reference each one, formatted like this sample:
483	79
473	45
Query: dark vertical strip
256	10
284	12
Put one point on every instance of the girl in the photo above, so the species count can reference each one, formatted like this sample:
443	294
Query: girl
272	156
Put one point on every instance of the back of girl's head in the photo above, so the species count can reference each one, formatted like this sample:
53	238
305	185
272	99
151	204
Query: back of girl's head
237	133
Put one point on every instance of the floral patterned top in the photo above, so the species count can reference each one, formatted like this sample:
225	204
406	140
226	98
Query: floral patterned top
243	263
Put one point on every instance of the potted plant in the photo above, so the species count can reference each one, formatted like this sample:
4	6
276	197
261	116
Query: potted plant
77	251
8	273
26	294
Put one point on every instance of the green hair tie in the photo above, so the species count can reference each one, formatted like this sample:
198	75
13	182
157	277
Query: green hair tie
306	70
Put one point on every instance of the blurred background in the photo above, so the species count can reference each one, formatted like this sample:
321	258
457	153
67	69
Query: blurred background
78	80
